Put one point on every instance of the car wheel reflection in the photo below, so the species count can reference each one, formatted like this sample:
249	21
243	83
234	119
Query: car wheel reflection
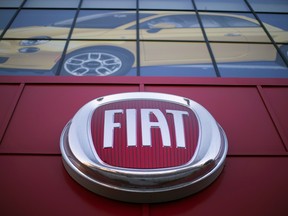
97	61
165	38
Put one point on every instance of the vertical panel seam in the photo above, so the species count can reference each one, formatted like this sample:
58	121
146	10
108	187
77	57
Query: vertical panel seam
141	87
273	117
10	112
145	209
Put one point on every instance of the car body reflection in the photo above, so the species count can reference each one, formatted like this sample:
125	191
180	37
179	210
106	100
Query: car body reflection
105	44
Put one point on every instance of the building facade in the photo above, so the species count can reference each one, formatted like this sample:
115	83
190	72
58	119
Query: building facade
229	56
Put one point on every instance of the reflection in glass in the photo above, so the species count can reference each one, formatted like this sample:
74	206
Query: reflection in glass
37	57
39	24
170	26
52	3
249	60
99	58
109	4
222	5
276	27
10	3
166	4
175	59
233	27
269	6
284	51
5	16
103	25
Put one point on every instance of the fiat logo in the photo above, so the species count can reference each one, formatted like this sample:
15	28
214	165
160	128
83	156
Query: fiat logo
143	147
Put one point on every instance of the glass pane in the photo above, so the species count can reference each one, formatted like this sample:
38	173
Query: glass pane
39	24
233	27
269	6
104	25
276	27
109	4
100	58
160	25
284	51
5	16
52	3
10	3
165	4
38	59
248	60
222	5
175	59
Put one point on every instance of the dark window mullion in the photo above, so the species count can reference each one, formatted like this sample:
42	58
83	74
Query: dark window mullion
267	33
61	60
137	40
206	40
12	19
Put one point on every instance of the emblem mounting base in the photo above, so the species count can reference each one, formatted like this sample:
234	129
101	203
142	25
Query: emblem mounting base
143	185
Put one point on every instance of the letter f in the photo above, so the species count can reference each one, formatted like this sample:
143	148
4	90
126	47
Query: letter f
109	126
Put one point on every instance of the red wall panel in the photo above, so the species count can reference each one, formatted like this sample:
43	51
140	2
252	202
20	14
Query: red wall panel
43	111
240	111
253	113
9	95
278	99
39	185
248	186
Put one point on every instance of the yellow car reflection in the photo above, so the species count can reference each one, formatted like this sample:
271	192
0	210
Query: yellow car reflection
105	44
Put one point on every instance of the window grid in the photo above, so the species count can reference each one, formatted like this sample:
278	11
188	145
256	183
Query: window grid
138	39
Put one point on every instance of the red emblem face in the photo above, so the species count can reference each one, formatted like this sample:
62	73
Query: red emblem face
144	134
143	147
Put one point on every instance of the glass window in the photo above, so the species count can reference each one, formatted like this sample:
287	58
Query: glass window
169	40
100	58
106	20
37	57
171	21
5	16
109	4
221	5
52	3
175	59
166	4
39	24
104	25
170	26
275	26
233	27
235	22
228	21
284	51
248	60
269	6
10	3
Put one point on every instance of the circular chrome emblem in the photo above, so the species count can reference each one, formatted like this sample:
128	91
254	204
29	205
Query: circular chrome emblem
143	147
